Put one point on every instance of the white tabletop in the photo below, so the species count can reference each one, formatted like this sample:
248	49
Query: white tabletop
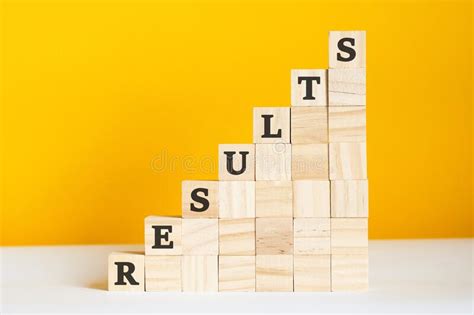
416	276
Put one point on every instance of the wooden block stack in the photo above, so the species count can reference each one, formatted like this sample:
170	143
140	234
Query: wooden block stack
289	212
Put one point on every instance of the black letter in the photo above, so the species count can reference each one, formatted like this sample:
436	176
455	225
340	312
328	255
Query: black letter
309	86
346	49
196	197
122	274
159	236
230	164
267	130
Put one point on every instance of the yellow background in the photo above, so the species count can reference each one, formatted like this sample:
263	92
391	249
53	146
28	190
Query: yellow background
99	97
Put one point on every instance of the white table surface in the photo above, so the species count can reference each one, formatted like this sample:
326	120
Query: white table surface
415	276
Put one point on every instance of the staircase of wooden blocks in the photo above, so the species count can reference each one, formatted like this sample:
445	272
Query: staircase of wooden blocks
289	212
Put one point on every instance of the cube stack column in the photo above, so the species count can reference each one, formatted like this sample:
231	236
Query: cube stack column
348	160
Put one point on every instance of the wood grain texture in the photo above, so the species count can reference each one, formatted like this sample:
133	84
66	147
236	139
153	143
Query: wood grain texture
200	237
274	199
349	199
273	161
163	273
312	236
274	273
312	273
347	124
274	236
347	161
318	93
237	161
347	87
309	125
237	273
206	189
359	40
200	274
236	199
349	272
137	260
236	237
171	234
309	161
349	236
311	199
279	124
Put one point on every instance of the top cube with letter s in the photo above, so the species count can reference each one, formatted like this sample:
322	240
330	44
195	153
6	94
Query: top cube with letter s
346	49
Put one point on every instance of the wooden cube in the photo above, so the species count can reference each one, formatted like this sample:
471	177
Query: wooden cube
349	236
347	161
274	236
237	162
163	235
309	87
347	87
200	199
309	125
236	237
236	199
126	271
200	237
349	199
347	124
274	199
273	161
199	274
309	161
312	236
350	272
311	199
271	125
274	273
163	273
312	273
237	274
347	49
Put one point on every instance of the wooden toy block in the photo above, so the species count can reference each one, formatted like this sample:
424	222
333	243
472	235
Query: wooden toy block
273	161
199	274
349	199
237	274
274	236
274	199
309	161
312	236
274	273
349	272
347	87
163	273
309	87
200	237
312	273
309	125
349	236
200	199
347	124
237	162
311	199
163	235
271	125
347	161
236	237
236	199
126	271
347	49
